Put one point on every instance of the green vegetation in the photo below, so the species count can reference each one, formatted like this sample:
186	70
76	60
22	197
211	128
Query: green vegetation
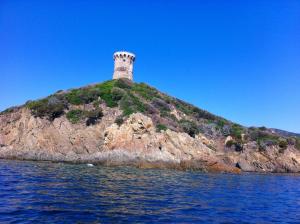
131	104
189	127
263	128
117	93
51	107
139	97
221	123
74	116
283	144
297	144
236	131
81	96
105	92
108	91
263	136
93	116
145	91
113	93
183	106
8	110
161	127
238	145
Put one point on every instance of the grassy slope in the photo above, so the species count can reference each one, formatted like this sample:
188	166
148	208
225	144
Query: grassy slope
139	97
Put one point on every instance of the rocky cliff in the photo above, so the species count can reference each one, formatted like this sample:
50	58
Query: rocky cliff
123	123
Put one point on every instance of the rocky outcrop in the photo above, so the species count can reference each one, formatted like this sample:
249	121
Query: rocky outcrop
135	142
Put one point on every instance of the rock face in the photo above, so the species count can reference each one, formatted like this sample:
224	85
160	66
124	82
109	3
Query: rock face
135	142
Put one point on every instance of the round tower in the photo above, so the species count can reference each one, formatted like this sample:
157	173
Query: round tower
123	65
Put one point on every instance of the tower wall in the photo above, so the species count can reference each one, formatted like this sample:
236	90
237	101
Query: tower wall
123	67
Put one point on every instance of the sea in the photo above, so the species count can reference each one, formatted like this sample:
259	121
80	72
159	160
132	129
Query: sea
46	192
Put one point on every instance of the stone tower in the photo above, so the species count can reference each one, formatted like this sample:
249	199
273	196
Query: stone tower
123	65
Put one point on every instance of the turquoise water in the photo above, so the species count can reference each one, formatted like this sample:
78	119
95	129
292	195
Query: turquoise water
43	192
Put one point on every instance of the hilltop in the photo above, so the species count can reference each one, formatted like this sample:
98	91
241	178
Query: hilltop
122	122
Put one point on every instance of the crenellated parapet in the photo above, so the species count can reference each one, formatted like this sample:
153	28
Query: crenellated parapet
124	54
123	65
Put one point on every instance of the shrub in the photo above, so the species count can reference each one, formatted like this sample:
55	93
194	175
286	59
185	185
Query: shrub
131	104
261	145
160	127
238	146
8	110
96	103
109	101
145	91
297	145
221	123
236	131
282	144
204	114
51	107
263	128
105	92
82	96
93	116
263	138
183	106
119	121
123	83
167	114
117	93
189	127
74	116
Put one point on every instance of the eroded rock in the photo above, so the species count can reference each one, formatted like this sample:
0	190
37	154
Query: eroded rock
135	142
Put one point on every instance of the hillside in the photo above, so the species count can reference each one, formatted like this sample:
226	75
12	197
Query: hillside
89	123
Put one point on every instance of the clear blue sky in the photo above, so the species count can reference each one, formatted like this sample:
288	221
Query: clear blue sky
237	59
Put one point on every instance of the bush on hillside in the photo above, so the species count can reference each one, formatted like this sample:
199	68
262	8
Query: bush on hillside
9	110
297	145
262	128
93	116
105	92
283	144
123	83
236	131
51	107
146	91
131	104
161	127
189	127
74	116
263	138
183	106
82	96
117	93
203	114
